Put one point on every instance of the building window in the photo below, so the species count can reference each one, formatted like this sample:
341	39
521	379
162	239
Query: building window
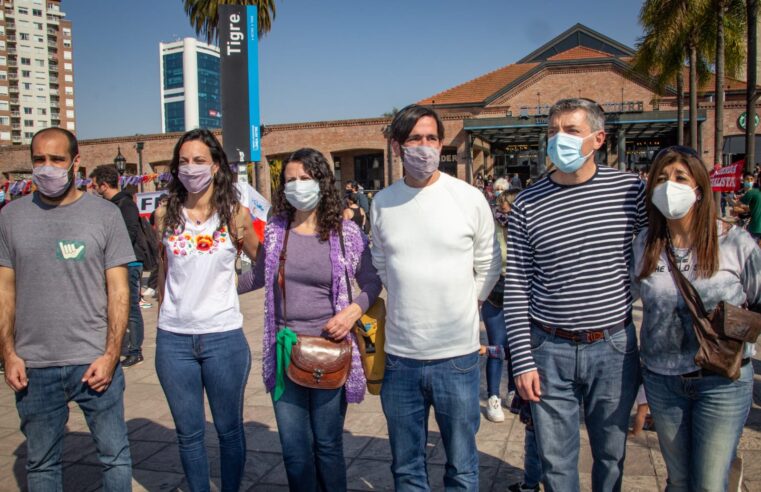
27	86
37	12
5	136
172	71
23	10
70	113
42	111
27	110
3	75
28	122
39	63
68	67
26	61
2	45
67	32
5	120
26	73
37	25
174	114
69	90
67	55
209	102
68	77
2	60
39	38
42	99
28	134
70	126
4	106
3	90
67	43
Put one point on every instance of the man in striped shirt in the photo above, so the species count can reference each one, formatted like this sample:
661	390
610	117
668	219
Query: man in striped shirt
567	303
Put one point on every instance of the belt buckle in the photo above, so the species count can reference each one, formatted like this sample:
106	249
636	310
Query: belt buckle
595	336
693	375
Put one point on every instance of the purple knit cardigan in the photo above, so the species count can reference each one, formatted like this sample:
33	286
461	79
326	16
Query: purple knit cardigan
355	242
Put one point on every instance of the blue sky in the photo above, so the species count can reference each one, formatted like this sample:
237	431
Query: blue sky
323	60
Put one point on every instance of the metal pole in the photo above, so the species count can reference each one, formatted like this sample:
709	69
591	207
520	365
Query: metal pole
469	162
139	146
751	95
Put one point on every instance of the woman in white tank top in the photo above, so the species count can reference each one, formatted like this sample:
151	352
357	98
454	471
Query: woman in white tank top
200	344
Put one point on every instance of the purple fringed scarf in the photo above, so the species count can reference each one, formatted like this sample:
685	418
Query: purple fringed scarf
355	243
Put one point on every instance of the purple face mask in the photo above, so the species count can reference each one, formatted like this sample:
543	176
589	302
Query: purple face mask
195	177
420	161
51	181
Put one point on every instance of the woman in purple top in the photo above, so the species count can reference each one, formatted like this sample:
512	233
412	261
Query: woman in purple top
308	207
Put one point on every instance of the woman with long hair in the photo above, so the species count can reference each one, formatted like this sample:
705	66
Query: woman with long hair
699	415
200	345
320	252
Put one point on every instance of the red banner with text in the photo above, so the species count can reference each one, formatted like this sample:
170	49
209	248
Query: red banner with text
728	178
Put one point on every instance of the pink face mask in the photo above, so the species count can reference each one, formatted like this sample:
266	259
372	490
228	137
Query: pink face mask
420	161
195	177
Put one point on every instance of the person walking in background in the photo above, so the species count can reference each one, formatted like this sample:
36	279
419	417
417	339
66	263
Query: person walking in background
435	250
567	301
105	183
699	415
494	318
64	303
354	212
309	295
200	346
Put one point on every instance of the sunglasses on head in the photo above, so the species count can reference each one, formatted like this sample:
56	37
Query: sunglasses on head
681	149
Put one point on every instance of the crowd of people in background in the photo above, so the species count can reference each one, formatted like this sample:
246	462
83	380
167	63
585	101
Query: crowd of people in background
552	268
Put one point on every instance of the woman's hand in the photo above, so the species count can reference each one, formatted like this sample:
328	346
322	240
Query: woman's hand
341	324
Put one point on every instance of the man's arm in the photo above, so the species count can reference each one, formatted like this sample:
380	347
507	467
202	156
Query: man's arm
379	258
518	281
98	375
487	257
15	370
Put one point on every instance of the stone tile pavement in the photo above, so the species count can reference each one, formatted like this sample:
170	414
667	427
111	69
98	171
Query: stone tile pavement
157	465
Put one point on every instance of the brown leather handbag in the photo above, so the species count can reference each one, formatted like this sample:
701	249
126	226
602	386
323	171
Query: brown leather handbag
316	362
720	333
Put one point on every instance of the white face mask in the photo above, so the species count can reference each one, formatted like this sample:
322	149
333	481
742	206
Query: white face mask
674	200
304	195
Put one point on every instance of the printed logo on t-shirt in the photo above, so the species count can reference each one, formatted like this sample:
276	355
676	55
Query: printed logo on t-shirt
70	250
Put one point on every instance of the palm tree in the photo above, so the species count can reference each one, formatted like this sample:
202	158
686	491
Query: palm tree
752	94
203	15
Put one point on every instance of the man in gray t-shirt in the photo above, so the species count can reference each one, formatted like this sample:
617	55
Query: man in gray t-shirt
63	312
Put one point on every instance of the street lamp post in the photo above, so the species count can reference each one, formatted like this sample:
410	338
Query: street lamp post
121	164
139	147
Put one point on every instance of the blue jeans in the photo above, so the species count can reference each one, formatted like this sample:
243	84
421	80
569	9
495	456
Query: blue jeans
410	388
135	328
494	321
604	377
532	463
310	424
218	363
699	423
43	409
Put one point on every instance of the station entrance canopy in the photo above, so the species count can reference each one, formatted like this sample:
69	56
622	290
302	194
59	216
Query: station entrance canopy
516	130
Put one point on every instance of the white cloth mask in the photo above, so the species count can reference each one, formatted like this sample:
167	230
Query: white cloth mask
304	195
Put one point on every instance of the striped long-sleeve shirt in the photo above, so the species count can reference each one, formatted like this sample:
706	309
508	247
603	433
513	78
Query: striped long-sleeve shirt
568	253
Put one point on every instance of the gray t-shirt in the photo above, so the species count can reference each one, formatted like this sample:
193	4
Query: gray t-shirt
60	255
667	341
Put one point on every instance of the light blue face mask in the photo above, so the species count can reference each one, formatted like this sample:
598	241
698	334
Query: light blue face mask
2	196
565	151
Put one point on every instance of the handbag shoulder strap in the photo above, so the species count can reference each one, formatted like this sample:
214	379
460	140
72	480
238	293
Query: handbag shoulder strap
689	294
343	253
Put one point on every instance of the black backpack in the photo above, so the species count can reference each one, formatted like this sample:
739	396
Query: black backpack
146	237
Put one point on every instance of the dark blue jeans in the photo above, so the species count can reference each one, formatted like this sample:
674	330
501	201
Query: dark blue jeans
43	409
603	378
218	363
134	337
494	321
410	388
310	425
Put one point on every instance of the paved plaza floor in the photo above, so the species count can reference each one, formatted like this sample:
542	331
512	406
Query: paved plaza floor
157	465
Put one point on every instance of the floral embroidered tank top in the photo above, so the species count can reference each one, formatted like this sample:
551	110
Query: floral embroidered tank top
200	295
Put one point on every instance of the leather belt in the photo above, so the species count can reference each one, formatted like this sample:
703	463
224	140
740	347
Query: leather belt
583	336
701	373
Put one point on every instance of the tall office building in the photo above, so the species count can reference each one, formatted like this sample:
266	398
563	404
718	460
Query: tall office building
190	93
36	69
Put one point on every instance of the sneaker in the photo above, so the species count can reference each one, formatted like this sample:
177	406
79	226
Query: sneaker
145	304
494	409
148	292
522	487
509	399
132	360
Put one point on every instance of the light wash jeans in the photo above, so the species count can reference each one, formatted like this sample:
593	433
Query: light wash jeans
43	408
410	388
699	423
603	377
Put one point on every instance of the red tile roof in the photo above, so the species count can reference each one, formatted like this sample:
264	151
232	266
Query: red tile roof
480	88
579	53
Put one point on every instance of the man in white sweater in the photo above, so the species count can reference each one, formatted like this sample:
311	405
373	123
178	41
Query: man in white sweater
435	250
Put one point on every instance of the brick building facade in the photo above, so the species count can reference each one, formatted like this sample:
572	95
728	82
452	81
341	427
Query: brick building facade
494	124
